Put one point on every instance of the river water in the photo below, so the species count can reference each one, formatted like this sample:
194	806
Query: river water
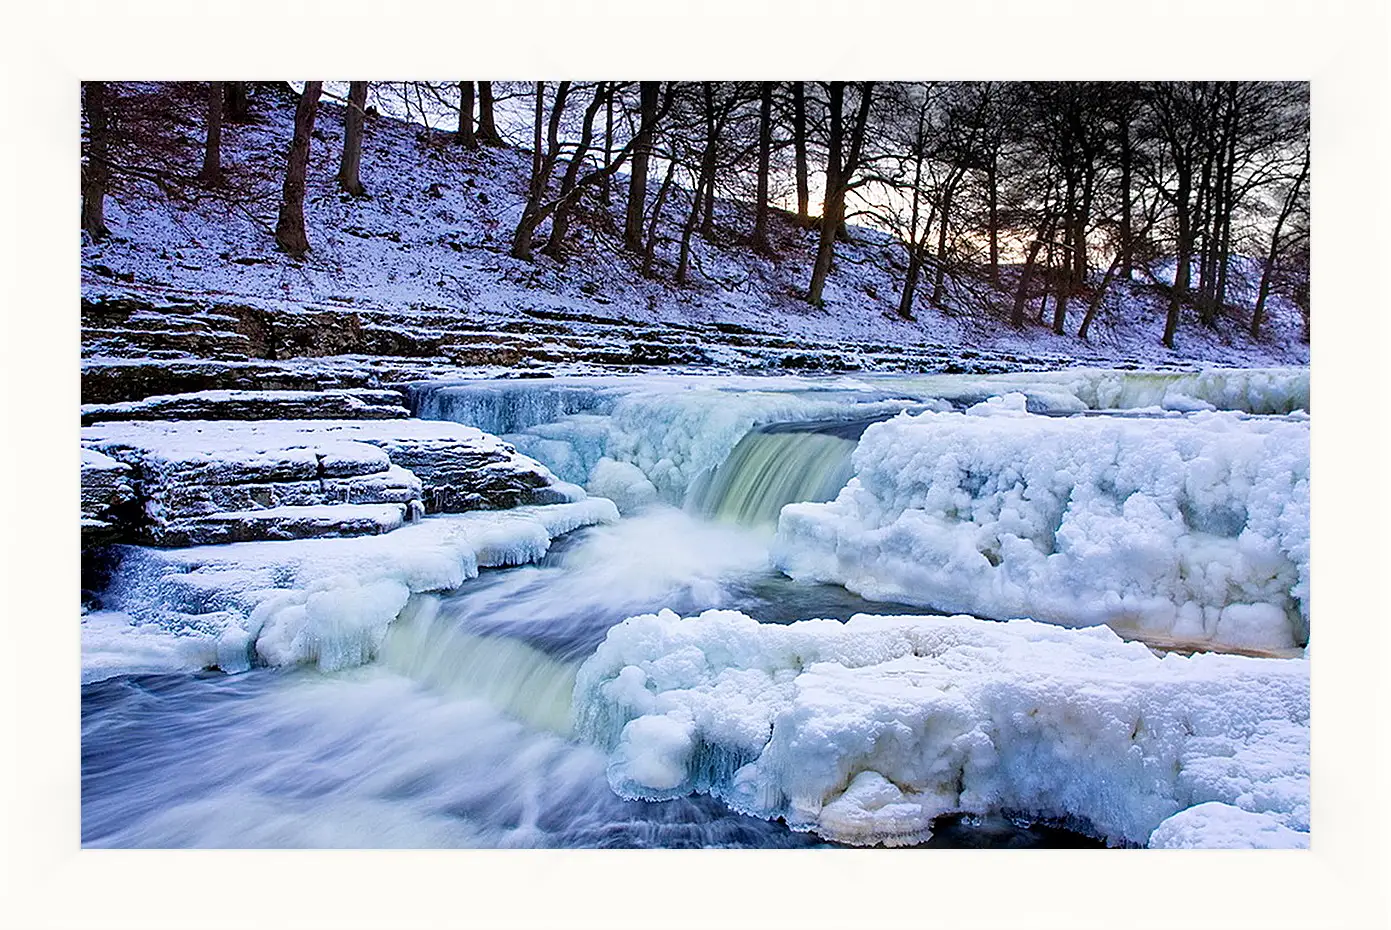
458	734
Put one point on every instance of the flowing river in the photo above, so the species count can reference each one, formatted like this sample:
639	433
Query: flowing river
460	732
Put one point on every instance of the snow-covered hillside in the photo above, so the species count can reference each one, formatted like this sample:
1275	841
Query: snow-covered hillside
431	240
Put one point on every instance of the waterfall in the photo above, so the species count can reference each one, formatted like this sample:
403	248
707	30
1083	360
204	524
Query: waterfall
513	677
776	465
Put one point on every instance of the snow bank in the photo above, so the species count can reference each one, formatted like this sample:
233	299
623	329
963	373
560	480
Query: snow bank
864	732
1193	529
326	602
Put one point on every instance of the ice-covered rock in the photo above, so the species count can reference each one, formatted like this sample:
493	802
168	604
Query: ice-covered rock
865	731
322	601
343	404
1186	528
204	481
1214	825
107	497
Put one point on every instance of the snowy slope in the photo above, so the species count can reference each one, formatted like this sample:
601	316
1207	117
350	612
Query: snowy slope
434	232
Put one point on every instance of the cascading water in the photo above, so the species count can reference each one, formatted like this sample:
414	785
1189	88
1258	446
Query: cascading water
459	733
775	466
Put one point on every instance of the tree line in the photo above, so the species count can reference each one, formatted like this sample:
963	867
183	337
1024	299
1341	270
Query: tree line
1025	199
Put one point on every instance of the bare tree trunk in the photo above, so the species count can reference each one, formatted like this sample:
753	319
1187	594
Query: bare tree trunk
637	172
910	281
707	222
568	197
466	136
96	170
832	203
799	148
1224	245
542	163
765	152
1182	270
212	149
1203	239
350	167
939	283
487	129
654	224
1268	272
237	102
1098	297
992	187
605	184
1127	233
683	263
289	229
705	185
1021	293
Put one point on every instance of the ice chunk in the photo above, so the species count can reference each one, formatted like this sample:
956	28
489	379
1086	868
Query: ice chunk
1213	825
865	731
1191	528
327	602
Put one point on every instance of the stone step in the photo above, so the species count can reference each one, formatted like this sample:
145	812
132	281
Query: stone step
283	523
345	404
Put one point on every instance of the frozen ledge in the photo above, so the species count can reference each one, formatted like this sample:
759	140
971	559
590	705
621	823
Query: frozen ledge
1192	529
864	732
325	602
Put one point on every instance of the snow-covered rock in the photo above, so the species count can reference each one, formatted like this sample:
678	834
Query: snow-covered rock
345	404
1186	528
322	601
107	496
204	481
865	731
1214	825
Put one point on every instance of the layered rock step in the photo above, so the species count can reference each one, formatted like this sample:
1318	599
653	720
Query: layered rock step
108	497
136	348
341	404
211	481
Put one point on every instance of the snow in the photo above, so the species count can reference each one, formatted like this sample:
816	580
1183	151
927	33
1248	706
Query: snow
863	732
1192	528
326	602
248	440
1214	825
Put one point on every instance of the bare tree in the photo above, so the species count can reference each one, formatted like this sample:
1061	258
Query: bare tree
289	228
548	149
96	167
1272	257
237	102
567	198
765	152
466	136
212	147
841	163
487	128
637	174
349	167
799	146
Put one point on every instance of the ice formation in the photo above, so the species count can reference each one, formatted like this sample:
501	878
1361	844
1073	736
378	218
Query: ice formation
863	732
327	602
1193	529
678	430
